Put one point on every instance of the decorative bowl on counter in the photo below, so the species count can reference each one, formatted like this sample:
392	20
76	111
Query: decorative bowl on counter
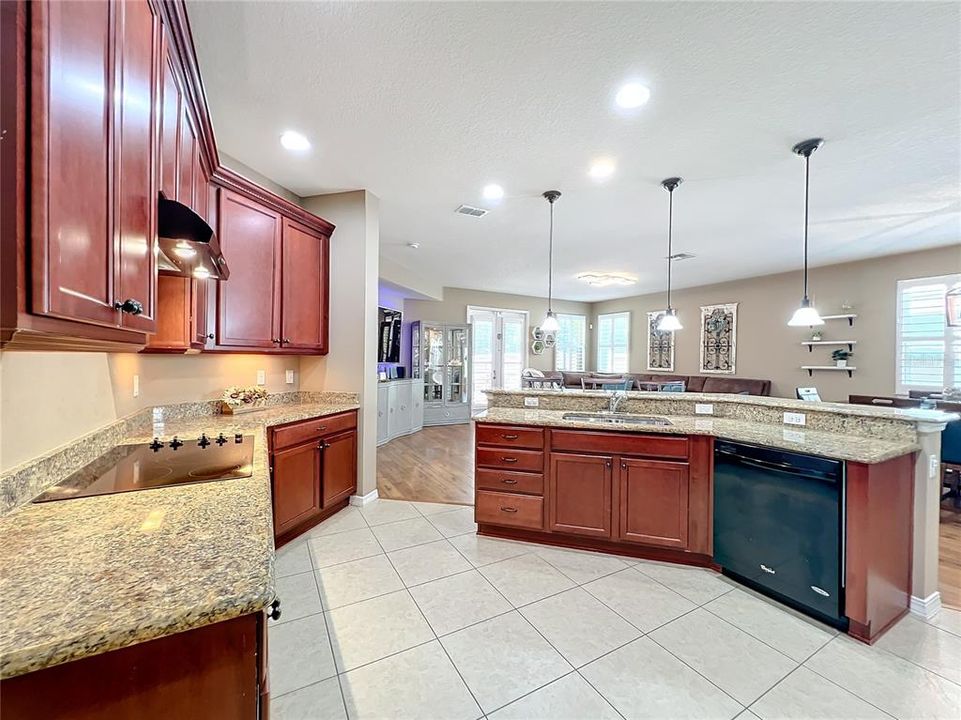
239	400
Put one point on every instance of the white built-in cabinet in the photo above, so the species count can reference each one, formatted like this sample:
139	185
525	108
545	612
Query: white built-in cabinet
400	408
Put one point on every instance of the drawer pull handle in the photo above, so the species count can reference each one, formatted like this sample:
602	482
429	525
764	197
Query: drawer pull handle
509	481
881	401
321	427
508	509
509	459
510	437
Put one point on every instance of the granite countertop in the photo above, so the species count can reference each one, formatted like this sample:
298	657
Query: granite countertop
863	449
85	576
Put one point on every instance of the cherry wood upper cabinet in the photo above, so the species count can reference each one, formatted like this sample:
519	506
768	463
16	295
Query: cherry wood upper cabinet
580	494
248	304
172	100
304	278
186	164
654	502
71	124
138	47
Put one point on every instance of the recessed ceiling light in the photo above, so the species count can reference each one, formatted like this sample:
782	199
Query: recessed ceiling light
606	279
413	245
632	95
602	169
294	141
493	192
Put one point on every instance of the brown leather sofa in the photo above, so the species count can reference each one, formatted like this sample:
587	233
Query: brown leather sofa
692	383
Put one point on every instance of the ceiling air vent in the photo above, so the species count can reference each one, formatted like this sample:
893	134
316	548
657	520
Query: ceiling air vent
471	210
682	256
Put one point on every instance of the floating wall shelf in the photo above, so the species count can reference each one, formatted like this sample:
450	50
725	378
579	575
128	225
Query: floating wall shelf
849	317
811	368
811	343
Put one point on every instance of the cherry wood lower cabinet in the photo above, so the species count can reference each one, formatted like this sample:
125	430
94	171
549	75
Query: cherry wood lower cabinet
581	488
313	471
654	496
216	671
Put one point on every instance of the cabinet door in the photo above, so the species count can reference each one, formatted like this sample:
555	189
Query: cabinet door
393	402
339	458
654	502
248	304
169	128
304	281
173	315
417	406
296	486
382	435
73	249
138	48
198	312
580	494
185	164
403	410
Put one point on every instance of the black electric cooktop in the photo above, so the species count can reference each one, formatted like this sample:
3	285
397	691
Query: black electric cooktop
159	464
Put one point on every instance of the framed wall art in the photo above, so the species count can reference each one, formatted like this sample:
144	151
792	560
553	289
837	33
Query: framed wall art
660	345
719	338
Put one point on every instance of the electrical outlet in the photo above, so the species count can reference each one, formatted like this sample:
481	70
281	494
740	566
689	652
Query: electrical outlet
793	435
703	409
703	425
795	418
136	386
261	377
290	377
531	402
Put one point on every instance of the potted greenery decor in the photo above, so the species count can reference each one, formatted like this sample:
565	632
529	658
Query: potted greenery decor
840	357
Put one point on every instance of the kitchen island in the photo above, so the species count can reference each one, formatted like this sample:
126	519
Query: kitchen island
558	467
141	578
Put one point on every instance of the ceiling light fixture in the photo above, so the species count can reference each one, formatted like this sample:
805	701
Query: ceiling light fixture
602	169
413	245
549	324
806	314
632	95
605	279
669	322
493	192
294	141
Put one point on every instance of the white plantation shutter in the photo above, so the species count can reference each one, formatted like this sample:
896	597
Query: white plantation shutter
569	351
613	342
928	351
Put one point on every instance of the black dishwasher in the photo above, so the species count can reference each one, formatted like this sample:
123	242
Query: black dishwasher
779	525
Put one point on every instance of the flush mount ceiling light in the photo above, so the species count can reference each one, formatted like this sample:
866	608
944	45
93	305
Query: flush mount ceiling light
294	141
806	315
601	169
632	95
606	279
669	321
549	324
493	192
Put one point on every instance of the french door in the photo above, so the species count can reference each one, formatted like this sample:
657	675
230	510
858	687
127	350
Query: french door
499	350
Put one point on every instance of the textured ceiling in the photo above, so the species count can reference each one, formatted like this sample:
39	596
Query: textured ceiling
423	104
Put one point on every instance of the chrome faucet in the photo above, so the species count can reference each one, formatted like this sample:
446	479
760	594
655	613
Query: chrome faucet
615	400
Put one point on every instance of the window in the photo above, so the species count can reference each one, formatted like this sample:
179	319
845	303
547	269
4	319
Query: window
613	342
928	351
570	347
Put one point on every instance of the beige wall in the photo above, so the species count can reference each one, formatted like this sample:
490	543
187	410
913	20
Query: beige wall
52	398
767	348
453	309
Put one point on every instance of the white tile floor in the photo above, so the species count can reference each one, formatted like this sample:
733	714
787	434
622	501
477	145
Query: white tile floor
399	611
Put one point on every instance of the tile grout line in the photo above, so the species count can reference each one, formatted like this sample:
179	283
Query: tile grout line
330	637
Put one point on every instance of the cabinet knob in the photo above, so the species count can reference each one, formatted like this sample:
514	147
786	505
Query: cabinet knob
276	341
286	340
623	466
608	463
323	445
129	306
274	613
210	336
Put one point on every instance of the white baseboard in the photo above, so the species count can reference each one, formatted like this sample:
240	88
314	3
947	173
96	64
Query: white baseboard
361	500
926	607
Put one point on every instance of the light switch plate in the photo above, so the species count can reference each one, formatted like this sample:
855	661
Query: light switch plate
261	377
794	418
531	402
136	386
703	409
290	377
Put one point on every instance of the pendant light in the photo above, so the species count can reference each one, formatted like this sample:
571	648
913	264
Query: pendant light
806	315
669	321
549	324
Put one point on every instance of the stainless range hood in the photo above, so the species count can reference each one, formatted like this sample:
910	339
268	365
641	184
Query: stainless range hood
188	245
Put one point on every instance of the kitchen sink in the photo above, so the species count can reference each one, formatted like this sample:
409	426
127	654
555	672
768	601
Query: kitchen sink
609	418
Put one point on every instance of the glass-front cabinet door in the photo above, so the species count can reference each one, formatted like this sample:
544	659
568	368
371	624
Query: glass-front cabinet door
440	353
458	383
434	365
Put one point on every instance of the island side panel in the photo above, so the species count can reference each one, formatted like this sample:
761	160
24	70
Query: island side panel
879	549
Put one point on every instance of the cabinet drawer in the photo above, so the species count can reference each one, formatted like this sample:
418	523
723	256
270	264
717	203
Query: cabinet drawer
497	508
510	459
510	436
619	443
509	481
299	432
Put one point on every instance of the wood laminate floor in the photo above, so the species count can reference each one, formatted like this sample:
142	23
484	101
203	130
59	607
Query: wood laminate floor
949	549
433	465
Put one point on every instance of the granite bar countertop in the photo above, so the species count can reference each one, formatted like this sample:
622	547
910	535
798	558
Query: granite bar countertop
85	576
865	449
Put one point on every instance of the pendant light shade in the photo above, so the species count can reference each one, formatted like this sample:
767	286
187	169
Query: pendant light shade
669	321
549	324
806	314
